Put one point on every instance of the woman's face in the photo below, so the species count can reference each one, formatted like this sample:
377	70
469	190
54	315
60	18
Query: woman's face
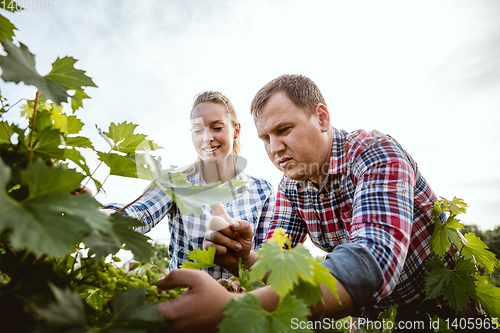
211	131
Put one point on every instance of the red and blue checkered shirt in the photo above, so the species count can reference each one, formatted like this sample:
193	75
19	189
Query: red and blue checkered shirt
373	196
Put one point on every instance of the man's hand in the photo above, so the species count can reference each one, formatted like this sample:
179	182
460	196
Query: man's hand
232	239
198	309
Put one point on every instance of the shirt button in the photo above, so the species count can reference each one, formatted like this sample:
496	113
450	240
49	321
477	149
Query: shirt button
321	196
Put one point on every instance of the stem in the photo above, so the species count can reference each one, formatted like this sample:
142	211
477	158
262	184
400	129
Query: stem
92	174
220	276
125	207
33	127
160	270
22	99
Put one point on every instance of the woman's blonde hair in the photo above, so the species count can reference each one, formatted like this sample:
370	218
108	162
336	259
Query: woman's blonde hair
217	97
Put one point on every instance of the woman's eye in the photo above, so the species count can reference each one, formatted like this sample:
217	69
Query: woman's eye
197	130
219	128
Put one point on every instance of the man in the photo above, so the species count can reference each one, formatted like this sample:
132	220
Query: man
358	195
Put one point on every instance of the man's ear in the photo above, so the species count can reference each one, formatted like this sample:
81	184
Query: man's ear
323	116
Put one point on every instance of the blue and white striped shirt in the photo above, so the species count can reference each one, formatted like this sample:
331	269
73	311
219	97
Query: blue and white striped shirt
187	231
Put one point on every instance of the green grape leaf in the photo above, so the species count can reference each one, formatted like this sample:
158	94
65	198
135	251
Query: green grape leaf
6	29
455	285
50	221
76	157
309	293
443	233
79	141
43	180
59	119
74	125
286	266
204	258
5	132
132	312
47	144
65	74
66	314
134	241
478	252
245	315
488	295
43	120
119	165
77	99
190	199
19	65
94	299
323	276
125	140
101	244
456	206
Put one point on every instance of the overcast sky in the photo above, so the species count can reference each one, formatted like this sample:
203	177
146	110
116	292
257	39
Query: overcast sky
425	72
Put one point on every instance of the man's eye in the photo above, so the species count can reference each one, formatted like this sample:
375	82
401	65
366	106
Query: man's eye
197	130
284	130
266	139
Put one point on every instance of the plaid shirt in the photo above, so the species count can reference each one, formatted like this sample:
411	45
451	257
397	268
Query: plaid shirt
188	230
373	195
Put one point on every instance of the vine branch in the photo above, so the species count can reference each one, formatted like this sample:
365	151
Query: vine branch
33	127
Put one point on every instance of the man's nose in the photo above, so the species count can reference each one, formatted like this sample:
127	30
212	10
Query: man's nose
276	145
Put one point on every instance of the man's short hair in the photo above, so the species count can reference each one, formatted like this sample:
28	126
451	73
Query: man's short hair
300	89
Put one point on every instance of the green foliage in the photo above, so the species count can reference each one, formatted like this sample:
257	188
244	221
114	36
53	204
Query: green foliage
475	250
246	315
443	233
19	65
488	295
54	244
456	285
6	29
204	258
286	267
461	283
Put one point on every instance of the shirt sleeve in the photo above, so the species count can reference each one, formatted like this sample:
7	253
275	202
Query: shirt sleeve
265	219
151	208
286	217
382	215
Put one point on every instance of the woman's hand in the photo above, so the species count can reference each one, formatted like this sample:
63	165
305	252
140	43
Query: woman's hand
232	239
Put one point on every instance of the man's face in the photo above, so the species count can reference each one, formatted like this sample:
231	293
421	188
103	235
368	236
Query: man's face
294	142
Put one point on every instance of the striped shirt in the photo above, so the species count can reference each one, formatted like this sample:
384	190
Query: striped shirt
373	196
187	231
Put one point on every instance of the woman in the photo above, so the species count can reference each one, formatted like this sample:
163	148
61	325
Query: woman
216	138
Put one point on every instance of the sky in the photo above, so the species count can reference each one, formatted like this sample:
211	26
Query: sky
425	72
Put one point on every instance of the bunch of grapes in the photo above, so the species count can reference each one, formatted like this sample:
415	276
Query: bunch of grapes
104	278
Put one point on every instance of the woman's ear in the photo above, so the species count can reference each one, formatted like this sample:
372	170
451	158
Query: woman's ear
237	130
